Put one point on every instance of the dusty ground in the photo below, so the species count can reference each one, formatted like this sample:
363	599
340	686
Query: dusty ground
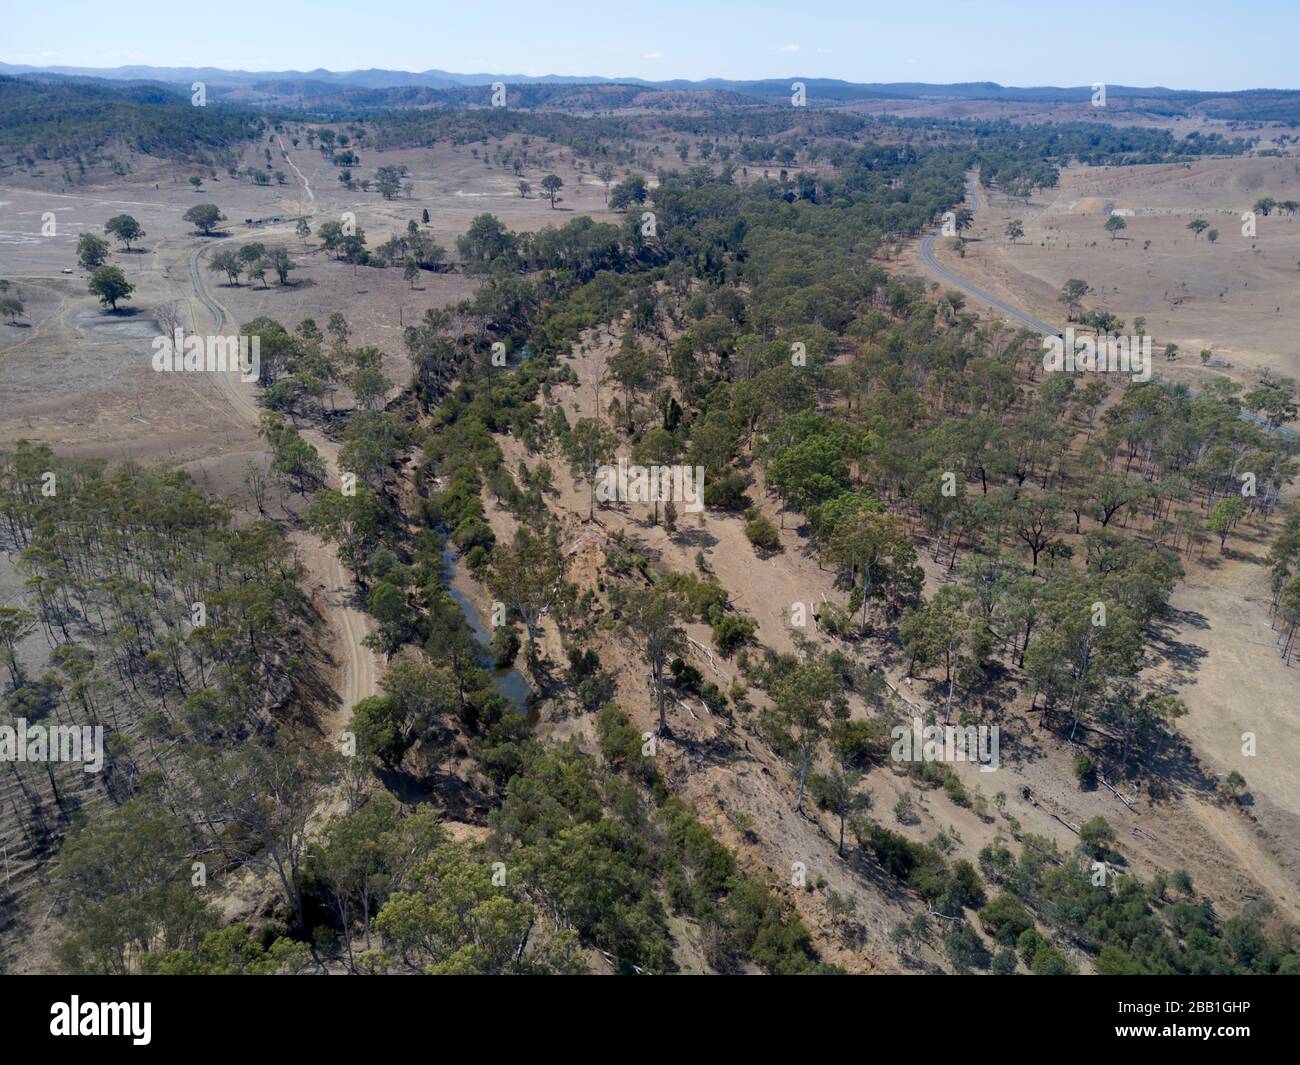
1234	296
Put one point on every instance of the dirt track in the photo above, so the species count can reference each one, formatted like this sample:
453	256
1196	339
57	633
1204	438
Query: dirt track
329	583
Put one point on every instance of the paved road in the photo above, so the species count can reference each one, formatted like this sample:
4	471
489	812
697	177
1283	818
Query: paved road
927	253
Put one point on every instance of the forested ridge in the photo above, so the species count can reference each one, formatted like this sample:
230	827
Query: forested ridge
76	121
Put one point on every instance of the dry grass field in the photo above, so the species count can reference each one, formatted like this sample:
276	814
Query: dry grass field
79	378
1230	296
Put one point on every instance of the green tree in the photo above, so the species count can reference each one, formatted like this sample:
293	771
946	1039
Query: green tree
366	856
1079	653
377	723
110	285
12	308
124	881
1072	293
294	462
650	618
802	698
388	180
16	625
837	792
875	545
263	797
527	577
229	263
203	216
1227	512
124	228
552	183
589	445
657	447
352	522
232	951
91	251
455	921
281	263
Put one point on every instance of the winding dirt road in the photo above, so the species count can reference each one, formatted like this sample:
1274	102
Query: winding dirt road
329	583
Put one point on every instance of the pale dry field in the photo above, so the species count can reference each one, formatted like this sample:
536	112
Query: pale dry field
1234	296
79	379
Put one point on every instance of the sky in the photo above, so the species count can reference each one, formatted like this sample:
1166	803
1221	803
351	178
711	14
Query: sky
1188	44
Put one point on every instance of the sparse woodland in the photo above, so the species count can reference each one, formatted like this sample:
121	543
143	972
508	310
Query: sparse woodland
754	331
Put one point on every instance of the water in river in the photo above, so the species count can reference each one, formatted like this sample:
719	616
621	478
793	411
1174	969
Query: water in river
509	682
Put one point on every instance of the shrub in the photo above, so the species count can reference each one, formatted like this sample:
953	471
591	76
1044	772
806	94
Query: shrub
1006	919
505	646
1051	962
620	743
762	533
964	946
731	631
1097	835
688	678
953	788
727	492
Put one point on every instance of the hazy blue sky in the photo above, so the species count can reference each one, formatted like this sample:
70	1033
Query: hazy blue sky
1225	44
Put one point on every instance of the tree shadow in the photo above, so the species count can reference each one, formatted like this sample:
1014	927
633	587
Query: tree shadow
1182	656
697	537
717	750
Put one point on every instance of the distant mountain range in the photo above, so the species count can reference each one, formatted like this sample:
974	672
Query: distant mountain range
445	79
325	90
